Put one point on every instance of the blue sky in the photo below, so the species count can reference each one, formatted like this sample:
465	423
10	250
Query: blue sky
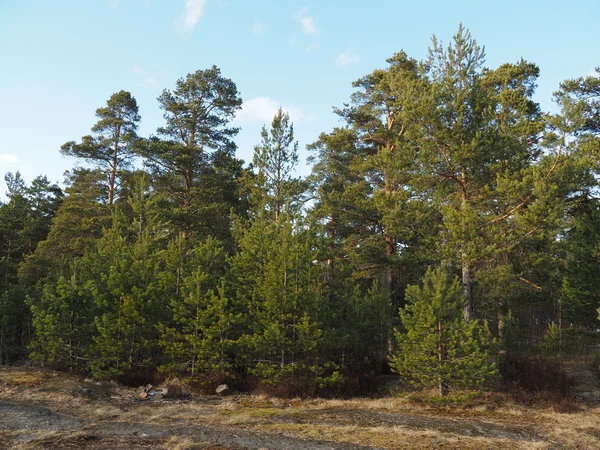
62	59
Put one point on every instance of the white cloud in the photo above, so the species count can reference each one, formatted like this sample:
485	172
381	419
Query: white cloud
308	23
192	14
258	28
6	158
346	58
113	4
147	78
301	12
262	110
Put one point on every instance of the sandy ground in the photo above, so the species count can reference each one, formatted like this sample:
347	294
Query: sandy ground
51	410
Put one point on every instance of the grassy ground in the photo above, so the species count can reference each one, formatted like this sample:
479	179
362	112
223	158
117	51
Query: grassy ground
44	409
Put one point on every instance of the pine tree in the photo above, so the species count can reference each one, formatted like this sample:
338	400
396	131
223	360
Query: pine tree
479	149
129	280
275	159
201	338
578	131
76	226
24	222
371	323
111	146
197	115
581	296
277	295
436	346
63	320
363	176
15	220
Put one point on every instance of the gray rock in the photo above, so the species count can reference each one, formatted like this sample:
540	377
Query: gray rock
222	389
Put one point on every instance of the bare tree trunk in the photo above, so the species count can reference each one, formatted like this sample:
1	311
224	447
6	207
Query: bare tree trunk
187	200
113	167
442	386
390	249
467	290
467	282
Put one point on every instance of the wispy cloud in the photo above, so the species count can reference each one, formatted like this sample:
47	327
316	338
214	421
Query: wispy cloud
112	4
308	23
258	28
310	48
146	79
262	110
192	14
346	58
301	12
7	158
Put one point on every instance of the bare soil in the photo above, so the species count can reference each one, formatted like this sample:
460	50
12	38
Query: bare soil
51	410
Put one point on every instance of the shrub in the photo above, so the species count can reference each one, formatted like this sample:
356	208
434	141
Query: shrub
439	348
535	379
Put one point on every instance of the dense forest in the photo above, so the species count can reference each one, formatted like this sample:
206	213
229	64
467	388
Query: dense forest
446	223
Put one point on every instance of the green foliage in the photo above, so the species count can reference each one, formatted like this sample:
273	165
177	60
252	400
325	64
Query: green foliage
63	320
436	346
581	296
24	222
128	278
111	146
197	115
201	267
201	339
493	187
277	293
363	177
275	159
371	323
552	340
76	226
509	333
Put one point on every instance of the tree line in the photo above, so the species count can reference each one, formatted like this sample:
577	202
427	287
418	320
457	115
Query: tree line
447	221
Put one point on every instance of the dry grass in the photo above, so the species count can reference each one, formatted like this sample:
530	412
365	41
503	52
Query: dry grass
396	437
305	417
24	378
582	428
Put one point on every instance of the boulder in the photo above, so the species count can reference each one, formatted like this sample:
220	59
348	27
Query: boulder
222	389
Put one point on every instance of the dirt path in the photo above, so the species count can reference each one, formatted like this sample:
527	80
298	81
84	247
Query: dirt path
51	410
30	423
18	417
33	422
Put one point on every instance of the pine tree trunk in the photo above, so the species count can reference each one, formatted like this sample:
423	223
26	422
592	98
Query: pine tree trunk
467	289
442	386
390	249
503	311
113	168
187	201
466	266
